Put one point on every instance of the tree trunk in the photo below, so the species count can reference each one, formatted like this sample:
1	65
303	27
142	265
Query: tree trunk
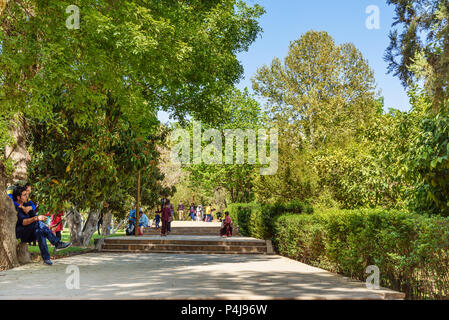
8	220
75	226
90	227
18	152
23	254
118	226
107	227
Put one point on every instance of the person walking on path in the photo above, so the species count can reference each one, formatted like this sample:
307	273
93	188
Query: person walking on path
208	211
165	217
170	219
181	211
100	223
212	210
227	225
157	218
198	213
192	211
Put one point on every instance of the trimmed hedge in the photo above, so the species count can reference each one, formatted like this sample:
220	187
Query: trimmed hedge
410	250
256	220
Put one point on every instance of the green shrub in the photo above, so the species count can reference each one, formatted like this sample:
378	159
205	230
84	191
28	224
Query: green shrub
256	220
411	251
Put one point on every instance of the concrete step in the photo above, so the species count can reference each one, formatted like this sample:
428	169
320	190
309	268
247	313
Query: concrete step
185	243
179	252
213	231
179	247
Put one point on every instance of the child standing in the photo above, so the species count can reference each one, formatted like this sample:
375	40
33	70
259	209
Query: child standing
157	218
56	224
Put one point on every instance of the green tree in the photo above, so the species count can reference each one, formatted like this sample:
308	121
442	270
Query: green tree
418	45
128	60
320	90
241	112
321	98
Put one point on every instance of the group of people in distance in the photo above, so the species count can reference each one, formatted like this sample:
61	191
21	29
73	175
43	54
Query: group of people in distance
165	215
199	213
31	227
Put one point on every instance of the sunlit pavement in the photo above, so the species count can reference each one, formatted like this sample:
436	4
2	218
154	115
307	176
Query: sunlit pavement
180	276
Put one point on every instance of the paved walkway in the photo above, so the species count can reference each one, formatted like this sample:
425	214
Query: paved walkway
171	276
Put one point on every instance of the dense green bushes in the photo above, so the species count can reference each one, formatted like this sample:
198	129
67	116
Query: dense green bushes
410	250
256	220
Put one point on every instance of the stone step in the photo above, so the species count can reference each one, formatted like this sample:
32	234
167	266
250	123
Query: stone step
184	248
186	229
185	242
189	231
179	252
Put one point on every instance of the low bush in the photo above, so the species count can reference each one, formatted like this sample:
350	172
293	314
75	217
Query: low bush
256	220
411	251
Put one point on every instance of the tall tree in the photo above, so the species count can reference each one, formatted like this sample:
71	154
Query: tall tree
419	45
321	97
320	88
127	60
241	113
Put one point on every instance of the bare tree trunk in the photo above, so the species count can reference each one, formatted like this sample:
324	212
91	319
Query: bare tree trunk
23	254
90	227
106	227
18	152
75	226
118	226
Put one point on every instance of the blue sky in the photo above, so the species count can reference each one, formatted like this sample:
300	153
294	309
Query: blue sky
286	20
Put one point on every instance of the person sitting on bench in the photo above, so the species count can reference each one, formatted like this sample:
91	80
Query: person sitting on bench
30	227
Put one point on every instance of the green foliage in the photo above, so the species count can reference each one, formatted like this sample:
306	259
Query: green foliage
410	250
296	177
321	92
240	112
427	159
256	220
321	113
418	47
91	95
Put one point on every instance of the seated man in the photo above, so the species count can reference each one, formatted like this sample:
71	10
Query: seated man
143	223
28	205
132	218
30	227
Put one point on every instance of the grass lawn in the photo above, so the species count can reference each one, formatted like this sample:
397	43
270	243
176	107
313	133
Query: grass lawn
35	252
